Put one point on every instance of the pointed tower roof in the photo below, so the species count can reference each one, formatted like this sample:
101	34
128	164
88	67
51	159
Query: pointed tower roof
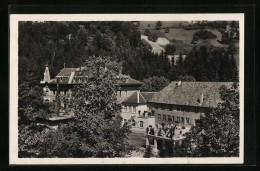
46	77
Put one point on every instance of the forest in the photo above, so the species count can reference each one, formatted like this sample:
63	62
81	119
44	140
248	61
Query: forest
70	43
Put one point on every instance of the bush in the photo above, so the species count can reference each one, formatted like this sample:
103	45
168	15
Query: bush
146	32
205	34
152	37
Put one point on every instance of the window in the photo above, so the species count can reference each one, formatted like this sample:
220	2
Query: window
156	106
178	119
182	119
173	118
134	109
169	118
164	117
125	93
182	108
65	92
196	109
178	108
123	108
187	109
170	107
159	116
188	120
141	124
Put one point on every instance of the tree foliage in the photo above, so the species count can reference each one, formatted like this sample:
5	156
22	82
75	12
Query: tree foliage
158	24
95	131
204	34
170	49
204	64
217	132
154	84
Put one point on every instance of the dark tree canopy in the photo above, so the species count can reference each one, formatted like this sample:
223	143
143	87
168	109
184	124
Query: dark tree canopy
154	84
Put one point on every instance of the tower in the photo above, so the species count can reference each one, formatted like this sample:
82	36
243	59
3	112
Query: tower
47	93
46	74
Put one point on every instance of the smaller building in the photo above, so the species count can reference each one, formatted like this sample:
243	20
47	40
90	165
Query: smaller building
137	111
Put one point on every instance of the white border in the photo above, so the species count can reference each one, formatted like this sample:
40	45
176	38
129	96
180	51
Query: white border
13	115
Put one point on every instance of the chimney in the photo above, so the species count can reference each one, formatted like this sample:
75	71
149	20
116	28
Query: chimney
201	98
178	83
138	95
120	70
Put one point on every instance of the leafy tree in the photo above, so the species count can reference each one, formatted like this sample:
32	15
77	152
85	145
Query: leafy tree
95	131
216	134
154	84
186	78
148	152
205	34
153	37
146	32
170	49
158	24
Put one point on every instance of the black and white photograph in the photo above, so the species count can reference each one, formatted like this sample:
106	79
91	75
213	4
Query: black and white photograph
126	89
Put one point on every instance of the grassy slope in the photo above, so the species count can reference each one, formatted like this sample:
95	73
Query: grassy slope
181	38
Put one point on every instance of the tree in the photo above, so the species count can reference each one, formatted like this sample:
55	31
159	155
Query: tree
95	131
97	114
154	84
186	78
148	152
153	37
158	24
170	49
216	134
146	32
204	34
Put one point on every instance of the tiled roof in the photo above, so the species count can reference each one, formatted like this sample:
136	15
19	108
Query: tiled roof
79	75
189	93
65	72
147	95
143	97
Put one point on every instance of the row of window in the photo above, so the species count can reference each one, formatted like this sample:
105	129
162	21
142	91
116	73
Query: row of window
130	109
54	92
175	107
78	79
173	119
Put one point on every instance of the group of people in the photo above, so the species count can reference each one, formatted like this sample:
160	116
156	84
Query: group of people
165	131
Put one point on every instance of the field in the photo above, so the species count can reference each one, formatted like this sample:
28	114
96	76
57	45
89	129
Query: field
180	38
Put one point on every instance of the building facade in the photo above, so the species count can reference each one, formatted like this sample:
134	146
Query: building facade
61	85
136	110
182	103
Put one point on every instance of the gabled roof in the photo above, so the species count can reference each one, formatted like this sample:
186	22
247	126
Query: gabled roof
79	75
144	97
65	72
189	93
148	95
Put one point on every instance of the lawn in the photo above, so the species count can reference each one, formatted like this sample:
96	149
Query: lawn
136	139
